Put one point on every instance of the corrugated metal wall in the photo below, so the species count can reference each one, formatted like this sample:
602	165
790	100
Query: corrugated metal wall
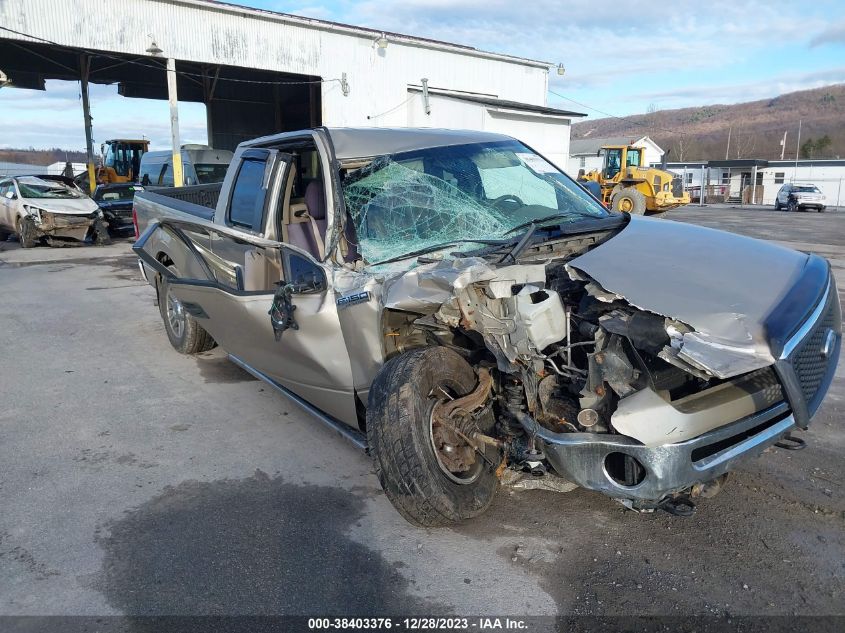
191	30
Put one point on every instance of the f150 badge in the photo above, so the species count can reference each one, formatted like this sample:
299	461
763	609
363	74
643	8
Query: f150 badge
351	300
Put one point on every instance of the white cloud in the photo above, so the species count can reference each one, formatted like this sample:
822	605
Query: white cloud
731	93
834	34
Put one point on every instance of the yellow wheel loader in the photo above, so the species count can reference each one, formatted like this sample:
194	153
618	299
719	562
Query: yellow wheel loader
628	185
121	160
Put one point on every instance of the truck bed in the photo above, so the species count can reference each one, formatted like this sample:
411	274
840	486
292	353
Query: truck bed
197	200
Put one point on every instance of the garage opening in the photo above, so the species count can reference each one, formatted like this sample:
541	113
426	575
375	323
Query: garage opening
241	103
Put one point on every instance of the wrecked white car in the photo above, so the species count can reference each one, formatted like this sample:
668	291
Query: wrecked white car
48	208
453	303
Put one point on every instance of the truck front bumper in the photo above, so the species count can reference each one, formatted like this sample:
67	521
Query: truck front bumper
597	462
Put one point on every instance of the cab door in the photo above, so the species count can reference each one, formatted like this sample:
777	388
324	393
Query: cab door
267	303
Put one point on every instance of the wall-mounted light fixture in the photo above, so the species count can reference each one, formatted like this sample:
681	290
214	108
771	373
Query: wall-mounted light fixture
153	49
561	70
380	42
4	79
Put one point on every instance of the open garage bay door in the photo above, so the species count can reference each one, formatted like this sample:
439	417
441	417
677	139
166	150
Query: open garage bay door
241	103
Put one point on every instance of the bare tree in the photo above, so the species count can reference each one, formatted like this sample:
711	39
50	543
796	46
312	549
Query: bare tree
653	120
744	143
681	148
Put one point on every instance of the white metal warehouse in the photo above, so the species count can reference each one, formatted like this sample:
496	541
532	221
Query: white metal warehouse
362	77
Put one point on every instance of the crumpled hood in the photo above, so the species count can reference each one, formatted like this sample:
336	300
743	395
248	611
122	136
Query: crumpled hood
722	285
70	206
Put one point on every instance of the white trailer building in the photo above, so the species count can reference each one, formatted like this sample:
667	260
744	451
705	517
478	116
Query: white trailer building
260	72
732	180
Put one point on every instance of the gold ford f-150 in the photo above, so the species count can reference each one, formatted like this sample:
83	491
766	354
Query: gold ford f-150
453	303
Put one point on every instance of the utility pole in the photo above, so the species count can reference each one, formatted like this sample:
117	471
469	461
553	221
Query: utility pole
797	147
783	144
85	67
172	97
728	148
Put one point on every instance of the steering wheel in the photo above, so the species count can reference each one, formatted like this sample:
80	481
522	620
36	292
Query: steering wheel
508	197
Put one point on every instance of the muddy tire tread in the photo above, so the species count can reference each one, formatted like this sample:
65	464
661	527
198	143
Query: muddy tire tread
394	442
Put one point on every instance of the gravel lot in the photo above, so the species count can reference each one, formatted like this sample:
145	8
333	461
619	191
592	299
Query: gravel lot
138	481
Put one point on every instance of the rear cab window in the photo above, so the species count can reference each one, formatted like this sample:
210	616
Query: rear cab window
246	205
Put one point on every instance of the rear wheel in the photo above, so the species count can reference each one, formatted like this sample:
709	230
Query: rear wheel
4	234
27	233
429	473
777	205
185	334
628	200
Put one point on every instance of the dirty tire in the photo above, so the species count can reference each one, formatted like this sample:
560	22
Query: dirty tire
101	233
27	233
399	438
188	337
628	200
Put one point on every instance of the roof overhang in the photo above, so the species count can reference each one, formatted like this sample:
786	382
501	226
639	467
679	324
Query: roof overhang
339	27
500	105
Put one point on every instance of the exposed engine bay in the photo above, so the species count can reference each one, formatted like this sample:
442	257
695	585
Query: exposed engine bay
556	354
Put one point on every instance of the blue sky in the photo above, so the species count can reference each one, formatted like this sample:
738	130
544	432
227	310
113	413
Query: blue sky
668	55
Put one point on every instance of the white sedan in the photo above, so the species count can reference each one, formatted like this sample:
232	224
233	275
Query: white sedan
48	208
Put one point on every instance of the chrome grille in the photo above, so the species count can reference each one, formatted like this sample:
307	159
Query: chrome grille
808	361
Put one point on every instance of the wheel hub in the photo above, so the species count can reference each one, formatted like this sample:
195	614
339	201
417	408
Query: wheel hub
452	425
453	451
175	314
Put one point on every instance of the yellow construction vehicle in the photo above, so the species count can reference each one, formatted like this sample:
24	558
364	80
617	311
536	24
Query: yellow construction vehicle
121	160
628	185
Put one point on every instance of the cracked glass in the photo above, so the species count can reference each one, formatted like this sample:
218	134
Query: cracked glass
404	203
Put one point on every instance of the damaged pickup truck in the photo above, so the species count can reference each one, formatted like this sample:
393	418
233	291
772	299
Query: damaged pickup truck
453	303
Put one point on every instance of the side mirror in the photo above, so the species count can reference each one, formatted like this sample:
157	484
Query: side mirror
281	311
11	195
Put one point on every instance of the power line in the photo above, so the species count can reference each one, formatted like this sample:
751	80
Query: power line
394	108
156	66
620	118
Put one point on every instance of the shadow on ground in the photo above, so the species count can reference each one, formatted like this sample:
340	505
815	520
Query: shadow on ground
251	546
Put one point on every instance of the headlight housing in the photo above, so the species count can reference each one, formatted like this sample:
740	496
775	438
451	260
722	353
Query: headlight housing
34	212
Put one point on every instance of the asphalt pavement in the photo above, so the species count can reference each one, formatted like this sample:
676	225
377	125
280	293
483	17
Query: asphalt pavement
138	481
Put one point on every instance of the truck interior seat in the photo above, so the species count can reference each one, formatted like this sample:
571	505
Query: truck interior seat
310	235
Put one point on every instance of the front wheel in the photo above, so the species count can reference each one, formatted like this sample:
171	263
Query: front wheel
27	233
430	474
628	200
792	206
185	334
101	233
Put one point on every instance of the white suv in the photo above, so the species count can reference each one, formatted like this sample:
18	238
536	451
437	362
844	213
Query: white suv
800	197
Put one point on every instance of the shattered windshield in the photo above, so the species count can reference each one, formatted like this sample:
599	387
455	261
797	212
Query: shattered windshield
38	188
404	203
